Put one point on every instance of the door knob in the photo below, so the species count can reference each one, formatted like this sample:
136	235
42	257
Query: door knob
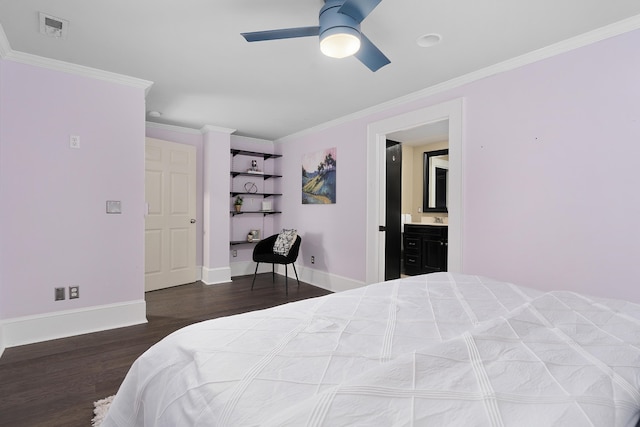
193	221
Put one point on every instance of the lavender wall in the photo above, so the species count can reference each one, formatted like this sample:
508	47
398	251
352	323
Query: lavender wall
334	233
216	207
551	172
54	228
550	168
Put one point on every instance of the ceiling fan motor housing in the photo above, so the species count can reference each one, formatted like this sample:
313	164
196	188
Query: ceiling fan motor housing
332	22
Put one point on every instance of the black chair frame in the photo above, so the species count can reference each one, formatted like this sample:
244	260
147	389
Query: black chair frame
263	252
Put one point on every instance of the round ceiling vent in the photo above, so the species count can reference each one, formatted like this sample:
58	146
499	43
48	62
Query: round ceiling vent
429	40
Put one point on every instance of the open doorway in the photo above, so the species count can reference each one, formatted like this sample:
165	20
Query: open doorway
376	175
405	187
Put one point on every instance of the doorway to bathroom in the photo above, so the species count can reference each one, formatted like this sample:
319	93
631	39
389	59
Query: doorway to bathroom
378	133
405	180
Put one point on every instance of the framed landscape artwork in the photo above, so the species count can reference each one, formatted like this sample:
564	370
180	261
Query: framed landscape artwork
319	177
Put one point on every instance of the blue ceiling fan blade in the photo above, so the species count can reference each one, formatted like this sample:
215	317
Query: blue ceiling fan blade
358	9
286	33
370	55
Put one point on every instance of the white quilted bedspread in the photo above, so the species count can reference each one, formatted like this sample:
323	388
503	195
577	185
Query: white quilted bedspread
437	350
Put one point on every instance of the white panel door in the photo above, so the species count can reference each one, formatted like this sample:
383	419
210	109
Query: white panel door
170	229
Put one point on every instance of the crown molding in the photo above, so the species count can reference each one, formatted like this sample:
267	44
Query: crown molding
173	128
182	129
79	70
5	48
66	67
210	128
591	37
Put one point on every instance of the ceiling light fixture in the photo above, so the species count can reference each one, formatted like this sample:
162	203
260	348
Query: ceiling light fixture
340	42
155	113
339	32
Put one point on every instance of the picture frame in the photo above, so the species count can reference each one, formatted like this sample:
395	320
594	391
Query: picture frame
319	177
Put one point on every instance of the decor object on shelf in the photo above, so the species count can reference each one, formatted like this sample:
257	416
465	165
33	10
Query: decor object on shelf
253	236
339	32
267	206
250	187
319	177
254	167
238	203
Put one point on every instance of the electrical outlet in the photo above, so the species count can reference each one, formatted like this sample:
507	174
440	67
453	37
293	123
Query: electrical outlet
59	294
74	292
74	141
313	259
234	253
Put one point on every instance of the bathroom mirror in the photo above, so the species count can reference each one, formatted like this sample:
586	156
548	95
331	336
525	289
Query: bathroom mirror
435	180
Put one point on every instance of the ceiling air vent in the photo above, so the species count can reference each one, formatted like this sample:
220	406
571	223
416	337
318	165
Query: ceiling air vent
53	27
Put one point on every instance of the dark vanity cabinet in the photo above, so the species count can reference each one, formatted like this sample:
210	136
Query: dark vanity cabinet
425	248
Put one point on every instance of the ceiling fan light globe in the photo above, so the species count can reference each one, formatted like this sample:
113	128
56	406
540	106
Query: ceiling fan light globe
340	44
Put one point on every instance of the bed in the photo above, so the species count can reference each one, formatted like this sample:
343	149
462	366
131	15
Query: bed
439	349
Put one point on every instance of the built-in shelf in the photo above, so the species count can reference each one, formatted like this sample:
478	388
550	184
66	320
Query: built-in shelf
265	156
255	175
265	213
265	195
242	242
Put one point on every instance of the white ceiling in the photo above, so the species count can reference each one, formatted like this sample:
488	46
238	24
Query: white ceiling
205	73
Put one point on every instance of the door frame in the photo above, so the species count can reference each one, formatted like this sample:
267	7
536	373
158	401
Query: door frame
376	174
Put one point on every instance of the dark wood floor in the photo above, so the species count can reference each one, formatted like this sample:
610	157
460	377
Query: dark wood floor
56	382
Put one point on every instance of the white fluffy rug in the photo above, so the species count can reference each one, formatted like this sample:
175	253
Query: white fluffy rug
100	409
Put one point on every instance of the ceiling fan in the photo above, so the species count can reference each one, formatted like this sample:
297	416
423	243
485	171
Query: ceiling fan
339	32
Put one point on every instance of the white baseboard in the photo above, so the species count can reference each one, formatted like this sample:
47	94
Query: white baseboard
244	268
1	338
62	324
324	280
214	276
317	278
32	329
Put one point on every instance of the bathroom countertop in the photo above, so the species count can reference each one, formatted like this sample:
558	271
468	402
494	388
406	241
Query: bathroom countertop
437	224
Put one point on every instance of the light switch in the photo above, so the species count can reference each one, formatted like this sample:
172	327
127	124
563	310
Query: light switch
114	207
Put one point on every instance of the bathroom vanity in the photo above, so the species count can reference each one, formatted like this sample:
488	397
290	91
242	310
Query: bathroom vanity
425	248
